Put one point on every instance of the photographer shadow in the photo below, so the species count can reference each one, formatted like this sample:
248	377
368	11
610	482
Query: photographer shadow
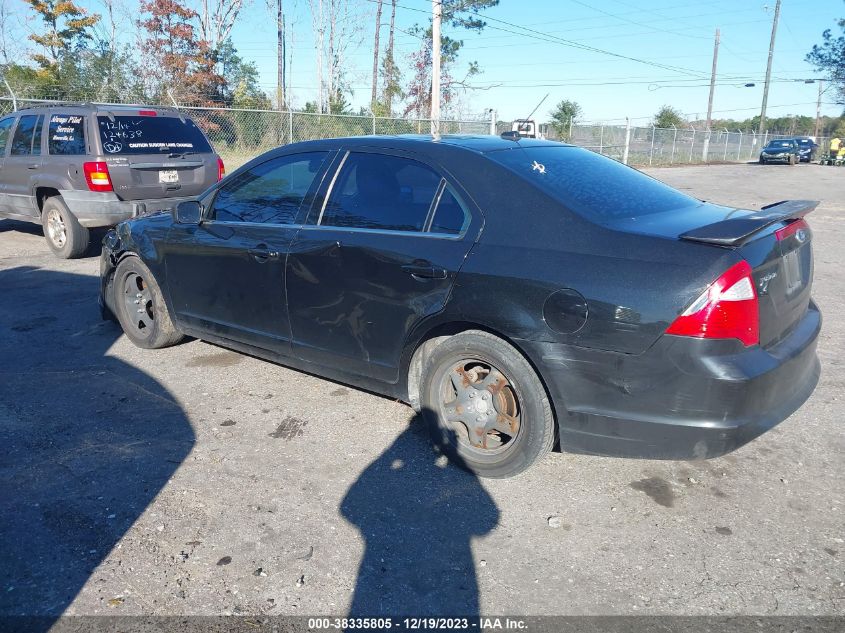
418	517
87	442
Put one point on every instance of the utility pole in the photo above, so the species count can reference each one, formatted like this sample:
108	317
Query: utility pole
710	99
280	52
437	15
762	129
818	110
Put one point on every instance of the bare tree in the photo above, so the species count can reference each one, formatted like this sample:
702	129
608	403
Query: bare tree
216	20
376	55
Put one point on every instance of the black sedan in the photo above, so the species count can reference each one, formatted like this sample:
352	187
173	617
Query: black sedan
516	292
782	150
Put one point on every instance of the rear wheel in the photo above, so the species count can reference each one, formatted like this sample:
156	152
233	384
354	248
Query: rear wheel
140	307
485	406
66	237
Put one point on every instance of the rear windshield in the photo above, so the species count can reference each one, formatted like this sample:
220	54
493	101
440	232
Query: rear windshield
150	135
598	188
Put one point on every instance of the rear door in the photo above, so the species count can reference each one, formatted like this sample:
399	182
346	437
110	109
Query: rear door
377	257
22	165
154	155
226	276
6	125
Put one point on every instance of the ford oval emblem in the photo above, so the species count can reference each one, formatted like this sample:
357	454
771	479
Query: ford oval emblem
801	235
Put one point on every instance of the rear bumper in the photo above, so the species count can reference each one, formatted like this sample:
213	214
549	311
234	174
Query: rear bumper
682	399
94	209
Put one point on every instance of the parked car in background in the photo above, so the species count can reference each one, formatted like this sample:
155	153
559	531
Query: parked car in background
807	148
782	150
514	291
71	167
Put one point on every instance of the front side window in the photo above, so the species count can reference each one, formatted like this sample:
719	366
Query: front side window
269	193
376	191
5	127
27	138
66	135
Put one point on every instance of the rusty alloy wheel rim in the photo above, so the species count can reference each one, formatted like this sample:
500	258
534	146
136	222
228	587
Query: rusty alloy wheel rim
478	403
138	302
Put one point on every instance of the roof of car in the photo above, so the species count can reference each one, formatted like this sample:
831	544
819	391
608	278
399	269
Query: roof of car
479	144
99	107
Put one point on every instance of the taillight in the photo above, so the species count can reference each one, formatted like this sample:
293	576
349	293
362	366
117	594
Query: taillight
147	112
97	176
727	309
791	229
221	169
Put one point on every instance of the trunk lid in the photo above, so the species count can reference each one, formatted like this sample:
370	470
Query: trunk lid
152	156
775	241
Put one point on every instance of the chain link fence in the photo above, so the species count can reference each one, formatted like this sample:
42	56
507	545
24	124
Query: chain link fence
648	145
238	134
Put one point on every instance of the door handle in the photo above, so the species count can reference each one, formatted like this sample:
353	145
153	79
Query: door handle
424	270
262	253
32	166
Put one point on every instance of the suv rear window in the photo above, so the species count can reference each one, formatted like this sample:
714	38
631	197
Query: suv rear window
598	188
150	135
67	135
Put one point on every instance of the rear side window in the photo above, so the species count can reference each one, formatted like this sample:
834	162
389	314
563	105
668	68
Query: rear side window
269	193
598	188
150	135
66	135
27	138
450	217
5	127
375	191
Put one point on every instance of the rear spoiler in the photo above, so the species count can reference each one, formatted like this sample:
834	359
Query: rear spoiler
735	231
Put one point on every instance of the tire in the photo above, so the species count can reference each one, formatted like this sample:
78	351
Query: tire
792	160
476	369
762	162
66	237
140	307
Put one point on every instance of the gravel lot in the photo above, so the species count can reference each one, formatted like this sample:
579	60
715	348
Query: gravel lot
196	480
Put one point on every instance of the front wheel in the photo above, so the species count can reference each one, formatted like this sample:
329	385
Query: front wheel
140	307
485	406
66	237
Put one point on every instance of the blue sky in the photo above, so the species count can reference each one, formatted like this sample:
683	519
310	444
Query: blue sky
519	69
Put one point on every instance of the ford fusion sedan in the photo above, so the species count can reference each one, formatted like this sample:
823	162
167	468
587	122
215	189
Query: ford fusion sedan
518	293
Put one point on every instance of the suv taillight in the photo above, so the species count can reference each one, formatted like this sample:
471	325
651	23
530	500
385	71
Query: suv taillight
97	176
727	309
221	169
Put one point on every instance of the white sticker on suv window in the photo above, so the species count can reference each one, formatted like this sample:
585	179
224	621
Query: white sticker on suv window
112	147
538	167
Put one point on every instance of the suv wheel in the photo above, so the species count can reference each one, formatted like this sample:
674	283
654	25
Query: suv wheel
66	237
140	307
485	406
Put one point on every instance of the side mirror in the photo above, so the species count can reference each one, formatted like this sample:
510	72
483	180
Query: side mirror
188	212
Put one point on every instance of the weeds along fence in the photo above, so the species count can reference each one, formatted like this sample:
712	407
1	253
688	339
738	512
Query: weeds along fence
239	134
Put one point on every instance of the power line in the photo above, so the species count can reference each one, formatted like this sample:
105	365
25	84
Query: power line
538	35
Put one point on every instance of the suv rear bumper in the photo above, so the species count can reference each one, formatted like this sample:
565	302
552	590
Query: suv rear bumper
94	209
684	398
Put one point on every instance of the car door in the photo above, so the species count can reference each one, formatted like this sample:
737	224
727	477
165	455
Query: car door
226	275
22	164
379	255
6	124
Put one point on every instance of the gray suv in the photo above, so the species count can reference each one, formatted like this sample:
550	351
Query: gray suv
71	167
